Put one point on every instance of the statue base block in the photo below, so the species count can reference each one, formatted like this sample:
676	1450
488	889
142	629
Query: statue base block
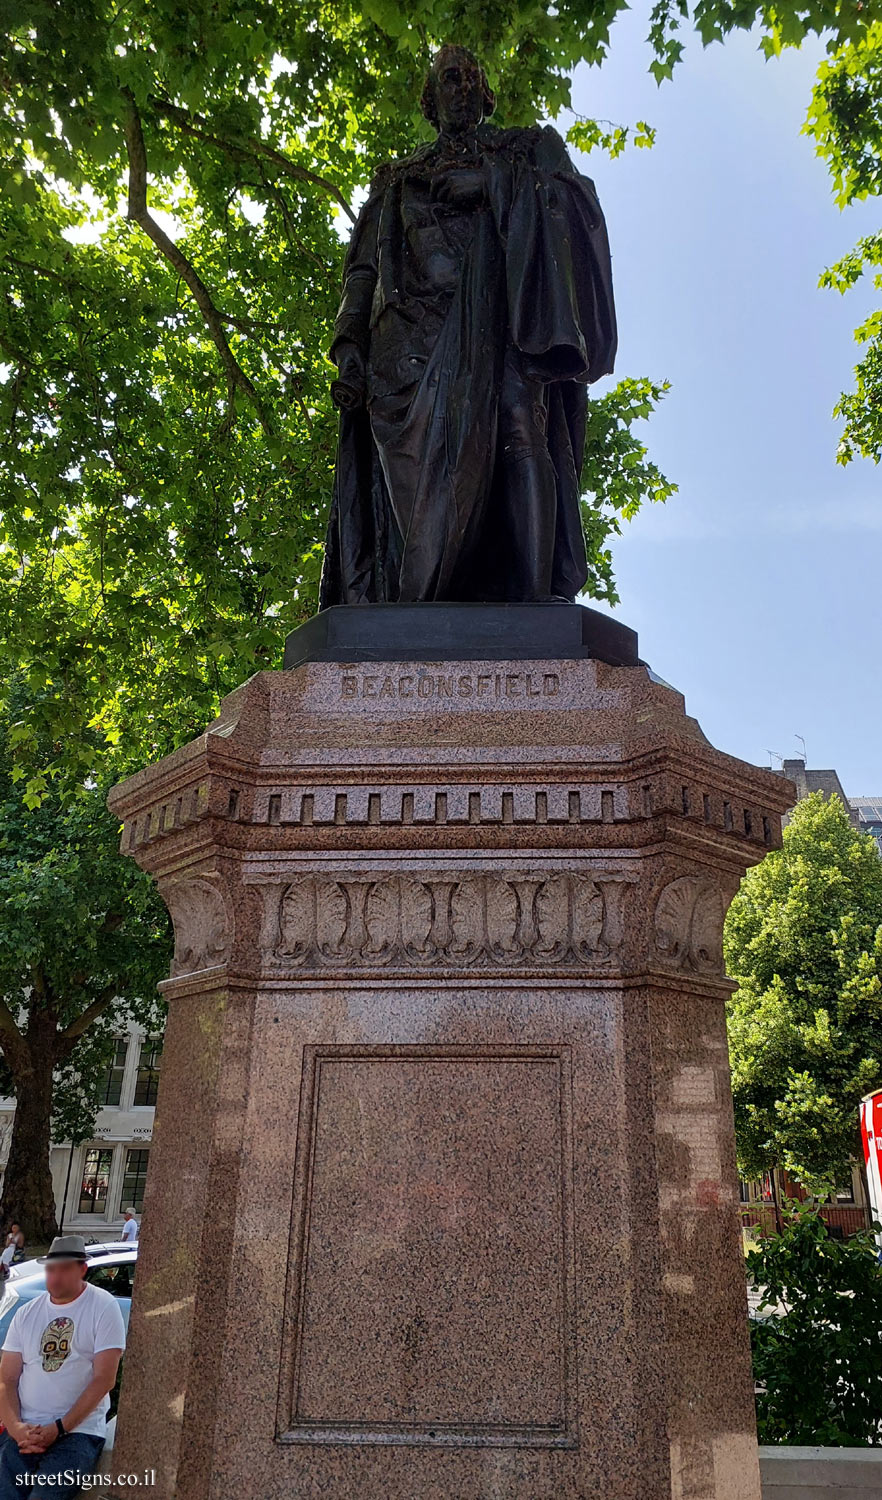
442	1201
461	632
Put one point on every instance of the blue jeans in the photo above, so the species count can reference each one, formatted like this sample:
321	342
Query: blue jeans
77	1451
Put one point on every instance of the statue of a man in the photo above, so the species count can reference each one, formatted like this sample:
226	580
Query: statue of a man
477	306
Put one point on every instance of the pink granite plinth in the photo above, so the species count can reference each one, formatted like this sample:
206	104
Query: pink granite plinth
442	1201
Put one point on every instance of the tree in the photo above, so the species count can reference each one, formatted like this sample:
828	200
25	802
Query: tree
845	119
175	187
172	196
816	1353
803	941
83	941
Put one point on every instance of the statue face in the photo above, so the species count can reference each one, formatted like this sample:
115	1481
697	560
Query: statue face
459	94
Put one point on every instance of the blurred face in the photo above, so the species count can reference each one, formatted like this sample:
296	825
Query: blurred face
459	92
64	1279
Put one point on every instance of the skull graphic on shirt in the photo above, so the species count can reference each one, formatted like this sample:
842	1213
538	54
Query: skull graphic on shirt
55	1343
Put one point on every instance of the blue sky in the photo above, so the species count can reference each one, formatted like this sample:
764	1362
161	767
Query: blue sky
756	588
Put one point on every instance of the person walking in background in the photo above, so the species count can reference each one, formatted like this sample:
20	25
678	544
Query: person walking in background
130	1227
58	1365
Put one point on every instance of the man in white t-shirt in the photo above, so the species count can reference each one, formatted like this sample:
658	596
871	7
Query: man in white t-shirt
59	1363
130	1227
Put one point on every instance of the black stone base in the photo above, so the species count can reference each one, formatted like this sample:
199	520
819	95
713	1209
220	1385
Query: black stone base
461	632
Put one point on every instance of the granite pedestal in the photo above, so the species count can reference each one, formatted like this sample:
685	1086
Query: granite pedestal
442	1201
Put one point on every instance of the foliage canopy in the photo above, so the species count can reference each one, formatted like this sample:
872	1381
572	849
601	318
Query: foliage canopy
816	1357
803	940
83	941
175	185
845	119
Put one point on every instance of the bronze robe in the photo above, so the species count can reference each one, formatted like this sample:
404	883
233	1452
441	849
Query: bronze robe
446	303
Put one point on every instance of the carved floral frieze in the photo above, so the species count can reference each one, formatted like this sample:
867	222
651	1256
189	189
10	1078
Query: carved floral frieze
470	920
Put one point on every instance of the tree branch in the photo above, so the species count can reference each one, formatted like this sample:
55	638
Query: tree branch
15	355
249	325
196	126
140	214
10	1035
278	198
38	979
29	265
83	1021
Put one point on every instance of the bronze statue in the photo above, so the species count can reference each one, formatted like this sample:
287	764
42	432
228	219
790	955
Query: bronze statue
477	306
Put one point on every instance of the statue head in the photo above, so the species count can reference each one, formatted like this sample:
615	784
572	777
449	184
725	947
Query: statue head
456	94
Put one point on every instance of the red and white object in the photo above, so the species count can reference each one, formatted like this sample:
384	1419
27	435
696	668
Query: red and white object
871	1135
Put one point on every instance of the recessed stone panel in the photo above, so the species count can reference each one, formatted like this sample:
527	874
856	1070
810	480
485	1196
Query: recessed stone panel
430	1288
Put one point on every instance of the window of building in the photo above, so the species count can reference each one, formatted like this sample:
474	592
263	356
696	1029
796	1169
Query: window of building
743	1190
148	1072
96	1175
845	1194
134	1179
111	1086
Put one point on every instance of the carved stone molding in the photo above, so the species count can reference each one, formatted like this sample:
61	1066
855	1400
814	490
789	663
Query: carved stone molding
442	804
202	928
400	805
689	917
472	920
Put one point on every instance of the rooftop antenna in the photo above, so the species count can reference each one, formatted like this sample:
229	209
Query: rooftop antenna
773	755
802	742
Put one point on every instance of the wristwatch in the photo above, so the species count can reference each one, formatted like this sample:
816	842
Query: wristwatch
60	1425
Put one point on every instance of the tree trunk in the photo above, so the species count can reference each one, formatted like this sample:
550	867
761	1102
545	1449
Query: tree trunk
862	1168
27	1184
775	1200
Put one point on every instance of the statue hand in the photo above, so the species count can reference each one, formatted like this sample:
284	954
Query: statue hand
346	397
463	187
349	390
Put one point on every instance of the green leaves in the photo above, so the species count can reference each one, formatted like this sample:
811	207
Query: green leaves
79	920
803	940
617	474
166	434
845	119
585	135
860	408
816	1355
